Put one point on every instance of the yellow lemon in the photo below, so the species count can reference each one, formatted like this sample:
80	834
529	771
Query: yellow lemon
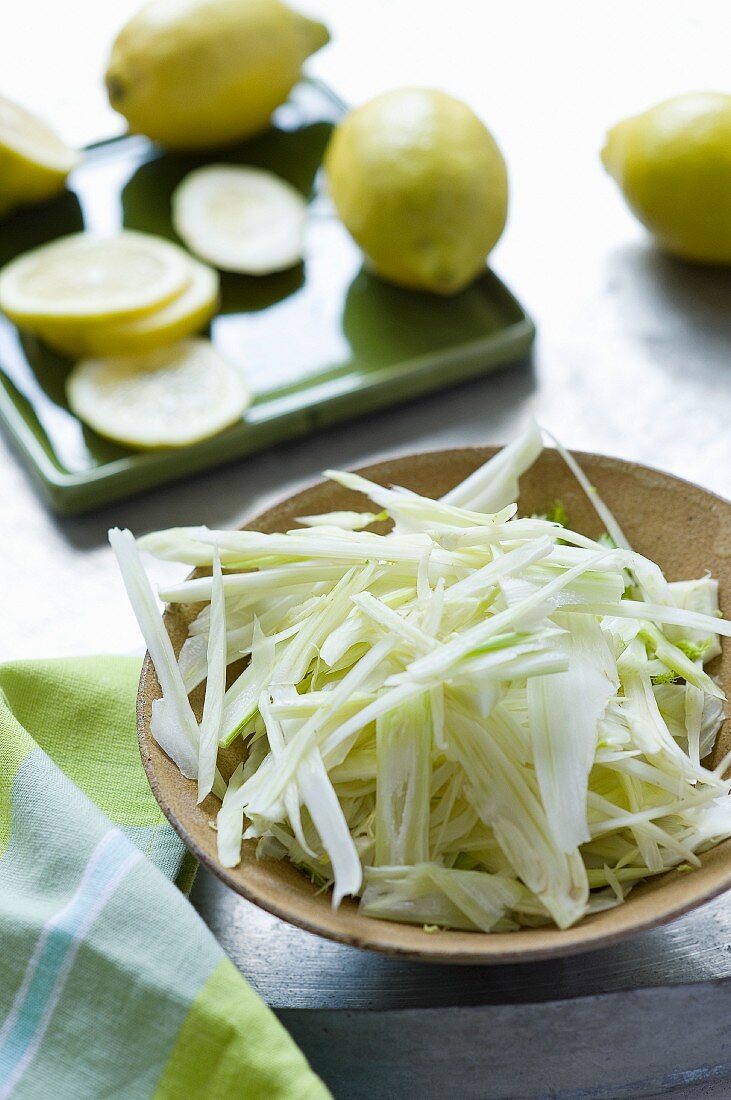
421	185
170	397
189	312
34	162
85	278
196	74
673	164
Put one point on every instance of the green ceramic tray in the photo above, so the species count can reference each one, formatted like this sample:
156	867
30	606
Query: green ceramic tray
322	343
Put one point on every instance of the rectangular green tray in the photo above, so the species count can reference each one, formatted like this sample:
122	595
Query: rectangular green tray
321	343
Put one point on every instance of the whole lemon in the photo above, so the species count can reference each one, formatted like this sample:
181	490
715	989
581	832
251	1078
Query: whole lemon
673	164
422	187
197	74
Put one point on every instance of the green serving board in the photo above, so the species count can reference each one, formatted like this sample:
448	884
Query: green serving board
322	343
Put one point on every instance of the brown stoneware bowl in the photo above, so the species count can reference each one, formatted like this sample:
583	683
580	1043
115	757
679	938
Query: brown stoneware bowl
684	528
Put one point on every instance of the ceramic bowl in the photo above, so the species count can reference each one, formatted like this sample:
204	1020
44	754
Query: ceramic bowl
684	528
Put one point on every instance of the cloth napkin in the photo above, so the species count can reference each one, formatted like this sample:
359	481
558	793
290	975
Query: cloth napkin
110	984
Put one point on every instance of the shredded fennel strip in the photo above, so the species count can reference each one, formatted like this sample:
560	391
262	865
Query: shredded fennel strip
467	722
210	727
173	722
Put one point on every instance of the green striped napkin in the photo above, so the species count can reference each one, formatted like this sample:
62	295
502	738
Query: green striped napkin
110	984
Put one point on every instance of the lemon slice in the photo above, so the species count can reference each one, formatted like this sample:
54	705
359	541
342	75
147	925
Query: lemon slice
188	313
86	278
168	398
240	219
34	162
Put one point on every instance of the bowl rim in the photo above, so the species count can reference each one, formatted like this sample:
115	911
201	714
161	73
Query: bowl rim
548	942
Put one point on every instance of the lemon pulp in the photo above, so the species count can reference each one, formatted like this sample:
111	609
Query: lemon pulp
170	397
187	313
240	219
34	162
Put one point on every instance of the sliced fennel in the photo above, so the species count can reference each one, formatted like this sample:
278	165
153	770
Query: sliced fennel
495	485
168	397
210	728
563	714
476	721
343	521
403	784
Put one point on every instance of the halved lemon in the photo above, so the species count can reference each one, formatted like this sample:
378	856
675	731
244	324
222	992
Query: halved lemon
34	162
240	219
189	312
84	278
170	397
